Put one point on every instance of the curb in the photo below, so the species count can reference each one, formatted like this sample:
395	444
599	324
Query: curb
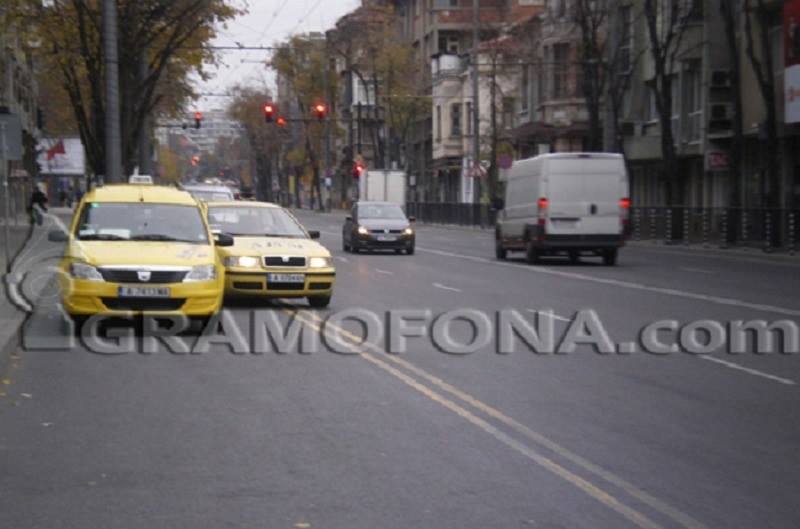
13	343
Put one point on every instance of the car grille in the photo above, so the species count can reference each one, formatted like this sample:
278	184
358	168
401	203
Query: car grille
247	285
319	286
285	286
279	262
144	304
383	232
131	276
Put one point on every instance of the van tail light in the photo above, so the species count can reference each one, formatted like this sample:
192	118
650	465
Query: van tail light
625	220
543	204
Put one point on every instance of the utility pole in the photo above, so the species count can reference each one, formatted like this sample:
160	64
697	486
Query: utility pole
145	154
113	143
476	133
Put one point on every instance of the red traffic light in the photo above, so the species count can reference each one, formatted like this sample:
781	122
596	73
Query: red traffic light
198	118
320	110
281	122
269	112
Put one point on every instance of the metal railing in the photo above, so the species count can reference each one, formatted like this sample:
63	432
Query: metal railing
719	227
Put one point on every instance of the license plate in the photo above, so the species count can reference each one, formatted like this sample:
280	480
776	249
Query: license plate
566	224
143	292
387	238
286	278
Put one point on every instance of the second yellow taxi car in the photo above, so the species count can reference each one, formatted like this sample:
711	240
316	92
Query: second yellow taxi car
140	250
273	256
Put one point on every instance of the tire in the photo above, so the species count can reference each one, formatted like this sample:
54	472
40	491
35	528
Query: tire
499	252
410	250
610	257
574	257
319	302
73	324
398	251
531	253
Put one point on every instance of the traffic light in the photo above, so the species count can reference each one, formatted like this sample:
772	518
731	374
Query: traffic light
320	110
358	170
281	122
269	112
198	119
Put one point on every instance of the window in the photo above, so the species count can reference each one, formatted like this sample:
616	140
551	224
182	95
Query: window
507	118
525	88
455	119
561	8
560	70
438	123
691	101
417	6
468	115
625	39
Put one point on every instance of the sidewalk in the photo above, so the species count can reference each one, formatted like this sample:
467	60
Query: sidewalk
31	272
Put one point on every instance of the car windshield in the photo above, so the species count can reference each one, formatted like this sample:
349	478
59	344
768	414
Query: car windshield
380	211
255	221
141	222
212	196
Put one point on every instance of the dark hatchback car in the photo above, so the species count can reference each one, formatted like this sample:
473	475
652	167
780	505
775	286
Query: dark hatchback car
378	226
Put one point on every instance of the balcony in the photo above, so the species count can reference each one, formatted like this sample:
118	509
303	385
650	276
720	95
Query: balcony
447	65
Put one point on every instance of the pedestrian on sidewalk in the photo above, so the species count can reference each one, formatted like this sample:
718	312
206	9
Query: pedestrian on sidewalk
37	205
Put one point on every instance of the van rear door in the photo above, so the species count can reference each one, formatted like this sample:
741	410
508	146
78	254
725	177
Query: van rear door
584	196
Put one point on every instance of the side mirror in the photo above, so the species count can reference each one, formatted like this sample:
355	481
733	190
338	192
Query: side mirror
412	219
57	236
348	219
223	240
314	234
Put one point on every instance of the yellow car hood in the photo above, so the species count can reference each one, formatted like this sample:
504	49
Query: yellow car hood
105	253
261	246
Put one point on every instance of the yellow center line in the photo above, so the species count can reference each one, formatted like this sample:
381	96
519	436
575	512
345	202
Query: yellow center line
607	499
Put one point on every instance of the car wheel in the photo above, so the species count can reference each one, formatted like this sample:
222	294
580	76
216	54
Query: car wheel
610	257
574	257
319	302
499	251
398	251
410	250
531	253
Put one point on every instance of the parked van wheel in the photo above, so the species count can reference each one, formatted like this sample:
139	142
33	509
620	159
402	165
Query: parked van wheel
610	257
574	257
531	253
499	251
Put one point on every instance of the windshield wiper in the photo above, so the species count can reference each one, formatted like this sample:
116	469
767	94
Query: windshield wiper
283	235
159	237
102	237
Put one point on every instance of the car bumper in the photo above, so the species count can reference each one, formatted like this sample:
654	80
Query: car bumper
255	284
370	242
86	298
579	242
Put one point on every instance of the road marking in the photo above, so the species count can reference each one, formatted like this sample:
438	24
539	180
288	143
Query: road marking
622	284
551	314
343	259
636	517
385	272
754	372
696	270
445	287
676	515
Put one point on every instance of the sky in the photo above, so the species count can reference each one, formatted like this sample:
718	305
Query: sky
266	22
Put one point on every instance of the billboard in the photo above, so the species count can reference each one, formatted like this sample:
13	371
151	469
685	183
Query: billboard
61	156
791	54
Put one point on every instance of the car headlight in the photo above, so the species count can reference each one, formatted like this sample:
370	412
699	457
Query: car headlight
408	231
363	231
319	262
201	273
85	272
246	261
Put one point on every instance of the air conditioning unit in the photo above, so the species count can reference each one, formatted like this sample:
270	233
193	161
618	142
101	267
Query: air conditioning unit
720	79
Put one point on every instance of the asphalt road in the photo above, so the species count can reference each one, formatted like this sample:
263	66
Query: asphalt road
424	438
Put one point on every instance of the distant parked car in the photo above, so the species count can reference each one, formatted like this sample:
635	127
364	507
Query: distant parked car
210	192
378	226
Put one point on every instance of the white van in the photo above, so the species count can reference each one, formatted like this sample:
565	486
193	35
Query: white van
571	203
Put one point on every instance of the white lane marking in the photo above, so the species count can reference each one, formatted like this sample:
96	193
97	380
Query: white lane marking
696	270
623	284
755	372
385	272
445	287
551	314
343	259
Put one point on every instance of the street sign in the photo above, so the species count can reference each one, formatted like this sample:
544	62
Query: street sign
10	137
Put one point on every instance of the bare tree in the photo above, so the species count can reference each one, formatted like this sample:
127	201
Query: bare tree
729	9
591	17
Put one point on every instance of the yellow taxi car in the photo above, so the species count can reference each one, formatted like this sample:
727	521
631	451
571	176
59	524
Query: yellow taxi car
140	250
273	256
